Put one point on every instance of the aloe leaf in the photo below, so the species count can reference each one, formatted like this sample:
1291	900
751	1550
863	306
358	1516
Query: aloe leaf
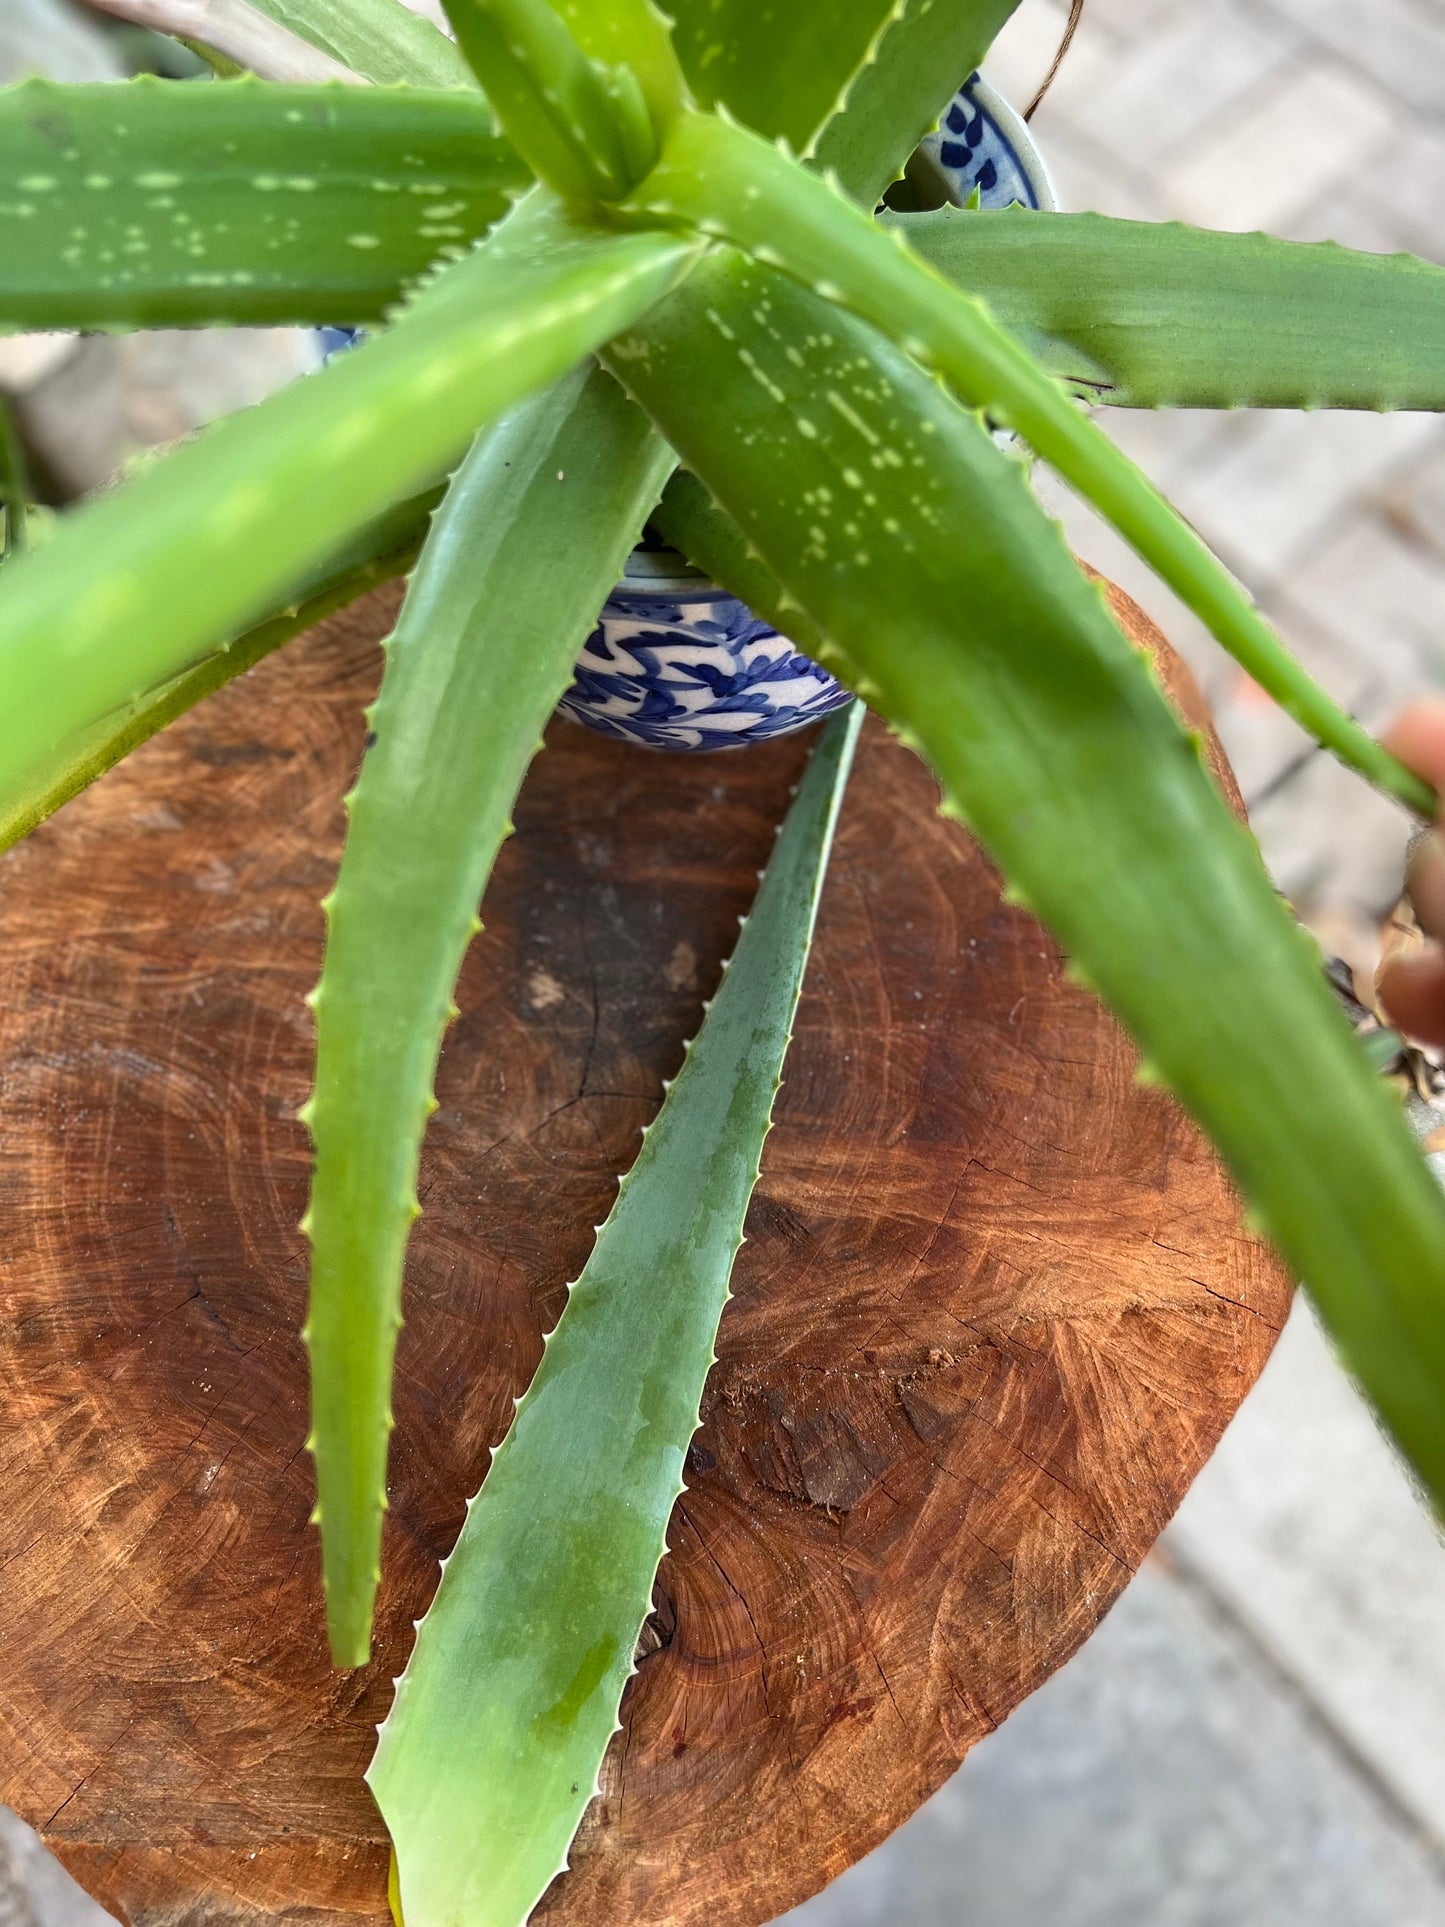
880	71
511	579
551	99
378	39
135	589
1158	315
922	61
232	37
492	1748
387	549
632	34
728	182
936	584
150	204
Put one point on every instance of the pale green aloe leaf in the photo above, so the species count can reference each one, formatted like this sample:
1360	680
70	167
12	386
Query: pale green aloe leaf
631	34
582	138
931	577
518	562
492	1748
727	181
1157	315
875	73
384	550
150	204
379	39
140	586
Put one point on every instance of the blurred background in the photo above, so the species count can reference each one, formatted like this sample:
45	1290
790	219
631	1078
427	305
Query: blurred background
1256	1736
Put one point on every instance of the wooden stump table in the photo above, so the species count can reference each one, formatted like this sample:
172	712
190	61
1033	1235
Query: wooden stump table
994	1311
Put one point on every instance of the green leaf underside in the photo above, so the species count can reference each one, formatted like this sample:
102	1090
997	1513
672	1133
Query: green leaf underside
1155	315
378	39
932	576
516	566
725	181
492	1749
385	550
880	70
157	205
139	587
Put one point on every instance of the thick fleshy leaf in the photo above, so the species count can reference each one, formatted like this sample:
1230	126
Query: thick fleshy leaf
384	550
511	579
140	586
584	137
1157	315
492	1749
157	205
931	576
724	180
880	70
923	60
633	34
378	39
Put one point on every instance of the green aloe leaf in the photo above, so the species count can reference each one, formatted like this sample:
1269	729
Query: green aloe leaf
726	181
517	565
880	71
583	137
137	588
492	1748
386	549
379	39
157	205
1156	315
632	34
931	576
925	57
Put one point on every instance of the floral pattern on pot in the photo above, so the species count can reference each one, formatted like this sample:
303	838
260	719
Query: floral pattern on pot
693	668
982	146
675	663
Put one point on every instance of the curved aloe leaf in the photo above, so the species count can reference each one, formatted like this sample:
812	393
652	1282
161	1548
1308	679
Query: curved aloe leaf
149	204
880	71
726	181
136	589
492	1749
955	607
387	549
926	55
511	578
233	37
378	39
1156	315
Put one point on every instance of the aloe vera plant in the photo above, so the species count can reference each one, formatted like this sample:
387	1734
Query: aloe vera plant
587	242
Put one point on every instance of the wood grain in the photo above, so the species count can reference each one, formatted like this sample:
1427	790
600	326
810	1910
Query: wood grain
994	1313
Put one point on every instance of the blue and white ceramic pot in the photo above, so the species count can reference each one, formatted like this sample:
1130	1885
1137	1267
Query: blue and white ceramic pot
676	663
